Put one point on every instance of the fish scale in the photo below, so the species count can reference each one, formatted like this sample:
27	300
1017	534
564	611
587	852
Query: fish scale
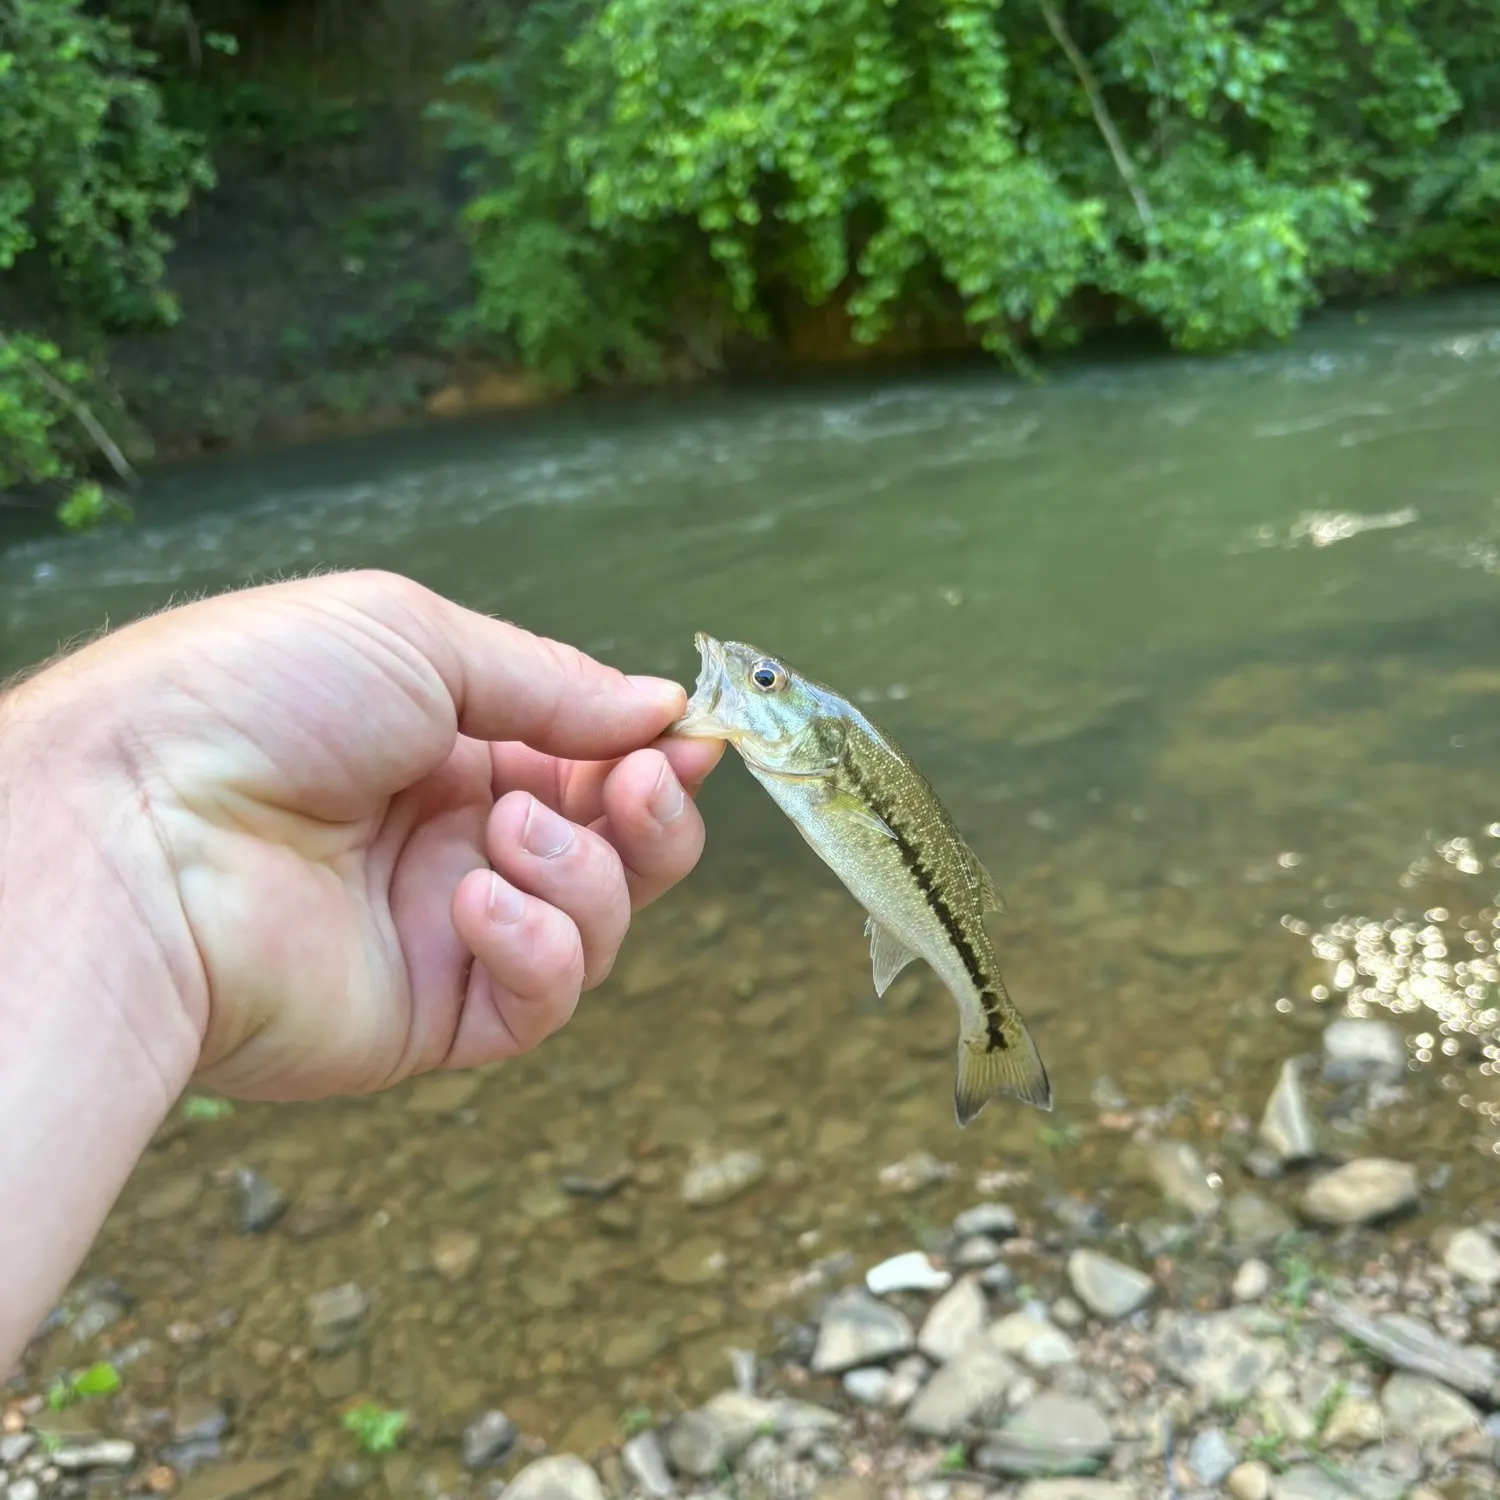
867	811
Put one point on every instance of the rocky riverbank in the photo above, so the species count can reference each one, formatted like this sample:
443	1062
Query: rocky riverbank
1288	1342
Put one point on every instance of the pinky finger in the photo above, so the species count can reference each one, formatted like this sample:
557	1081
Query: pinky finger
527	975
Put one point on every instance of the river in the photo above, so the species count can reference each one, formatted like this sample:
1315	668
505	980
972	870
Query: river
1205	659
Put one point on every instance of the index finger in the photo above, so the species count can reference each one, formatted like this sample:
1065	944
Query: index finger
507	683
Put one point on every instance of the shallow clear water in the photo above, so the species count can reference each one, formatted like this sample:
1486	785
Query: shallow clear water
1203	657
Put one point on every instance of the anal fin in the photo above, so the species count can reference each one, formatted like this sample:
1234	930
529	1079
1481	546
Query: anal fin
888	954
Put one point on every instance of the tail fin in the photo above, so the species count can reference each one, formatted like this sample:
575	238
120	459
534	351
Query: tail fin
995	1058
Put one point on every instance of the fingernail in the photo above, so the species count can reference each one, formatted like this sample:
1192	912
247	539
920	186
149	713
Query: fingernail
661	690
506	903
546	835
667	798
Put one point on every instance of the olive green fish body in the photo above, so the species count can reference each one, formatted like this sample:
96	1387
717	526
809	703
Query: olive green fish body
873	818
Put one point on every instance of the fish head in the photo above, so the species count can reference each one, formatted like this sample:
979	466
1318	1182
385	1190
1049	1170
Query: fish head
768	711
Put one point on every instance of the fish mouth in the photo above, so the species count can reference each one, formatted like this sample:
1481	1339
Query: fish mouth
700	719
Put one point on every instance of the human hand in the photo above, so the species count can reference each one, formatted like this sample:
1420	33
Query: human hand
379	834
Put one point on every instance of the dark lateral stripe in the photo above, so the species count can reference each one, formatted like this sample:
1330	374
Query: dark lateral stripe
995	1038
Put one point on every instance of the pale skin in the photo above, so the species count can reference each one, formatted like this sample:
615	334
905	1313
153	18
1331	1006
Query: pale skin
295	842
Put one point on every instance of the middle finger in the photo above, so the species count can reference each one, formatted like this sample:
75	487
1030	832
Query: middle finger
571	868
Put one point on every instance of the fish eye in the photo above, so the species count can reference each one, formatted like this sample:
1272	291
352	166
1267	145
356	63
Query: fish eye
768	676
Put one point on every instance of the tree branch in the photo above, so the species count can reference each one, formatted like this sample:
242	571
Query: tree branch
86	419
1102	118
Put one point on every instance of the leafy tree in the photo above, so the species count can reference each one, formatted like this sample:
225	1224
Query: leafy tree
1215	168
89	168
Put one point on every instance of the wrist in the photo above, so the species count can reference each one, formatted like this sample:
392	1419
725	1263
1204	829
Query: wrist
95	985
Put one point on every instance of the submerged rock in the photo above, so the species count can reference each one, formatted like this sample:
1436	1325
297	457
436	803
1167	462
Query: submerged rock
713	1180
259	1201
1361	1192
334	1317
1361	1050
1286	1126
1255	1223
1106	1286
1183	1179
487	1439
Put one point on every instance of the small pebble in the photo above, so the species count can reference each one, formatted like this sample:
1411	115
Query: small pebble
1252	1281
1249	1481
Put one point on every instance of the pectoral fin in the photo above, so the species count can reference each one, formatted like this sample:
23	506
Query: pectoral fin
857	812
888	954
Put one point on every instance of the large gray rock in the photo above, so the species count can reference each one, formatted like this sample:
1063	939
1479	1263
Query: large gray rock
972	1387
1050	1434
1107	1286
1425	1410
559	1476
1360	1050
1411	1345
858	1330
1361	1192
956	1316
1214	1355
1287	1126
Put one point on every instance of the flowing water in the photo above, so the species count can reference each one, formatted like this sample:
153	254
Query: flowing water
1203	657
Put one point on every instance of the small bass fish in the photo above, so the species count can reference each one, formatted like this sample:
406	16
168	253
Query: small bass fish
871	816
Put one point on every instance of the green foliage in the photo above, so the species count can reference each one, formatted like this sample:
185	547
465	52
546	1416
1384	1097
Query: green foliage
100	1379
376	1429
88	170
206	1107
1211	167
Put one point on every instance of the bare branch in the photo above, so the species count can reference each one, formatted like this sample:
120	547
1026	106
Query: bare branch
1102	117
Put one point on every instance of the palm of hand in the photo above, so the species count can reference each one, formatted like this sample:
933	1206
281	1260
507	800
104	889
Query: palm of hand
334	837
